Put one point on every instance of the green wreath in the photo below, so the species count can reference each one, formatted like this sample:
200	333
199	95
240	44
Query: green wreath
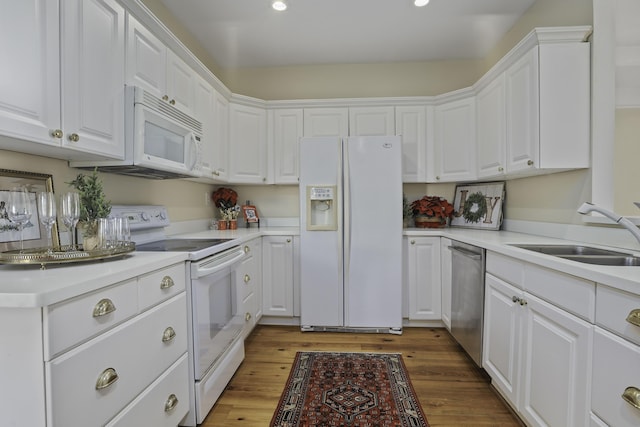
475	207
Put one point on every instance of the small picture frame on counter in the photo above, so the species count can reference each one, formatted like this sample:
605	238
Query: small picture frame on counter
34	233
250	215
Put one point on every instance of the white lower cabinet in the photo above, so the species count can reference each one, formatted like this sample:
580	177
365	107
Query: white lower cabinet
537	355
615	399
277	276
249	277
422	278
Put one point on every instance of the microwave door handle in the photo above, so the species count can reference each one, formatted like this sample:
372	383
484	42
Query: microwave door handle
193	151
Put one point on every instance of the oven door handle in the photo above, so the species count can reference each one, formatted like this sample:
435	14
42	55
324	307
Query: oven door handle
202	270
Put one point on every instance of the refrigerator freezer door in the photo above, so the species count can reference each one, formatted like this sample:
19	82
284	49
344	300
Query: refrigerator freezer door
321	295
373	232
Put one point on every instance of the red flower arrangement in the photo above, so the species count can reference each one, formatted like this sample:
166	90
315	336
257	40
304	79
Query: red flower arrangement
224	198
432	206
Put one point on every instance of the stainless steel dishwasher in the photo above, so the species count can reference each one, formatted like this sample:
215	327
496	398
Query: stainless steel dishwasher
467	297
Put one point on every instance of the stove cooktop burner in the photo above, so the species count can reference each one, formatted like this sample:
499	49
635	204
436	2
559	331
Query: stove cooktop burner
179	245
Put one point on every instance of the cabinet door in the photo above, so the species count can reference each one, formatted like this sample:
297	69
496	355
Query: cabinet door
411	125
203	111
326	122
220	137
93	76
180	83
556	368
287	131
522	94
455	153
445	271
423	278
248	144
371	121
491	129
501	348
277	276
30	83
146	59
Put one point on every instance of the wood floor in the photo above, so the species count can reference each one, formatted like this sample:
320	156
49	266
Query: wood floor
451	389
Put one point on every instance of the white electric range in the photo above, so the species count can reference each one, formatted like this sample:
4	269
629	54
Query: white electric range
216	346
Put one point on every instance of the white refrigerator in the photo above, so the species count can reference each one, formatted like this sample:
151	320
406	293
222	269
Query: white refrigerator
351	233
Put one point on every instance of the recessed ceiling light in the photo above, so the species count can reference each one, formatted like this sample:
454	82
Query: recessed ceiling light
421	3
279	5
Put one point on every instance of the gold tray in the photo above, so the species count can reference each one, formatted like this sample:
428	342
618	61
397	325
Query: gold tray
62	255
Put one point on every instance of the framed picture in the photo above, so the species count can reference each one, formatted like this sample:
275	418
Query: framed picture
479	205
34	233
250	214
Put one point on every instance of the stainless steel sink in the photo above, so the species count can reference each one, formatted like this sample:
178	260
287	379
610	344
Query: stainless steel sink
585	254
614	260
560	250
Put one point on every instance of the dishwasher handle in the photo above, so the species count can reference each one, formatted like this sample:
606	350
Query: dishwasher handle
465	252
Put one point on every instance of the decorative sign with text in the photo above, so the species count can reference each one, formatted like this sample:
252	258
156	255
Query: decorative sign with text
479	205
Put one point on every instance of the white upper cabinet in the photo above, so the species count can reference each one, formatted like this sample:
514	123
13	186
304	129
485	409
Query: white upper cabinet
65	83
286	129
372	121
491	129
326	122
411	125
548	109
454	145
158	70
247	144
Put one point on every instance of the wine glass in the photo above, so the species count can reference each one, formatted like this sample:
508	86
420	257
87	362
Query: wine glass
19	210
70	212
47	212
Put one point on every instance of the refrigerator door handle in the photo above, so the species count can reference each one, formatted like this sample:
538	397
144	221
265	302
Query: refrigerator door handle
346	209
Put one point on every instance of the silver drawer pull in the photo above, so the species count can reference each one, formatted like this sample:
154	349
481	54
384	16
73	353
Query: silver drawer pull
247	249
631	395
247	278
168	334
166	282
634	317
106	378
103	307
171	403
247	317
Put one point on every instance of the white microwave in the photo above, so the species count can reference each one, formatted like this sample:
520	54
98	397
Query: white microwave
161	142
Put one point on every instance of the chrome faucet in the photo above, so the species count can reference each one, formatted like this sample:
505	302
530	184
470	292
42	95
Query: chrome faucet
631	227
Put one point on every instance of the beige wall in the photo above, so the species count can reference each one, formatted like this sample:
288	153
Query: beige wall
626	165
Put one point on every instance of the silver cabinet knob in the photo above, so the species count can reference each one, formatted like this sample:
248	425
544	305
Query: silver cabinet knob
74	137
530	163
171	403
172	102
165	97
634	317
247	278
106	378
56	133
103	307
168	334
247	249
631	395
166	282
413	242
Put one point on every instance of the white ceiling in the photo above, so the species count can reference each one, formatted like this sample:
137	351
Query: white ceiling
249	33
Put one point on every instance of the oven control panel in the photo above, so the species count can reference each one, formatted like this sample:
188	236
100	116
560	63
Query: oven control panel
142	217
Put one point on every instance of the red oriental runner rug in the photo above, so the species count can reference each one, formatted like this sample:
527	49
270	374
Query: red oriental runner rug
348	389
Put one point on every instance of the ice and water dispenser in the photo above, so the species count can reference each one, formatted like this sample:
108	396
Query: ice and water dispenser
322	208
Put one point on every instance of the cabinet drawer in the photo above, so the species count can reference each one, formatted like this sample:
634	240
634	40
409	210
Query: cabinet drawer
163	403
575	295
161	285
134	350
73	321
615	367
506	268
614	307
